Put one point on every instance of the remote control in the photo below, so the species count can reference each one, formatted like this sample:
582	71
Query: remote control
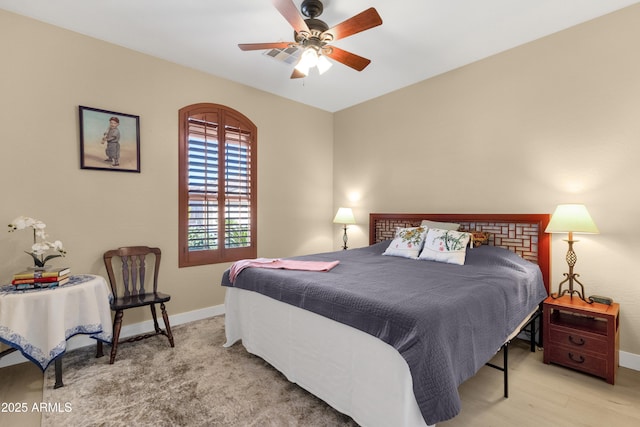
600	299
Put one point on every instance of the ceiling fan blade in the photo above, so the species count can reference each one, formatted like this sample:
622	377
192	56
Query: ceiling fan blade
290	12
349	59
297	74
261	46
358	23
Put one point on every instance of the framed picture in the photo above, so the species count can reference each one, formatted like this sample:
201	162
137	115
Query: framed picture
109	140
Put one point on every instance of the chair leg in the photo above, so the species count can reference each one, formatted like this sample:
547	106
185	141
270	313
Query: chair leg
155	318
167	326
99	351
117	325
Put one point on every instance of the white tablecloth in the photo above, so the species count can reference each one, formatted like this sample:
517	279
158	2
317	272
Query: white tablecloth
38	322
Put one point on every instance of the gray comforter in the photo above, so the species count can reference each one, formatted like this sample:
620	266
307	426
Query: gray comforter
446	320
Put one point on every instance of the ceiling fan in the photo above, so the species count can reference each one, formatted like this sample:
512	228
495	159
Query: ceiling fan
314	36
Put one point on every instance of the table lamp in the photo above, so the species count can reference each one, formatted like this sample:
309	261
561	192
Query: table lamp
571	218
344	216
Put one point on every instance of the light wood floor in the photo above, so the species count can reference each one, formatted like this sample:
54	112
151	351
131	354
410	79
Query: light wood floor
539	395
21	383
547	395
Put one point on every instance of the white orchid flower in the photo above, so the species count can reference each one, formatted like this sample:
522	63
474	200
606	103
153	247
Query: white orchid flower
57	245
39	248
20	223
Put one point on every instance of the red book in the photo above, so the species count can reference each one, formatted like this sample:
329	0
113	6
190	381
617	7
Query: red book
38	280
34	285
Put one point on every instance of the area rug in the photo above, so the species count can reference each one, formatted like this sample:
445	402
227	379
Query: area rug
197	383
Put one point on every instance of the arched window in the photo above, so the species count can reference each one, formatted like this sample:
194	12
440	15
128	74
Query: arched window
217	185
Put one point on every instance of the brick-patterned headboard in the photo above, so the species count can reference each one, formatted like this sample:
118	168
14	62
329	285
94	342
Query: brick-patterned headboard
521	233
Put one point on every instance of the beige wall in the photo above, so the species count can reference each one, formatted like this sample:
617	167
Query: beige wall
47	72
554	121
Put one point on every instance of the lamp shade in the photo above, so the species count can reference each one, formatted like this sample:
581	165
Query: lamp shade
571	218
344	216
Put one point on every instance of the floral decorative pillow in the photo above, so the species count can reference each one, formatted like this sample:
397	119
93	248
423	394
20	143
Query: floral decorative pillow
448	246
407	243
441	225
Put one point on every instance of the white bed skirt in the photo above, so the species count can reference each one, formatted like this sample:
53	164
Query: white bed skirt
354	372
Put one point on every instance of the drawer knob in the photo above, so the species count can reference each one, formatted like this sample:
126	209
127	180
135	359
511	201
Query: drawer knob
579	341
580	359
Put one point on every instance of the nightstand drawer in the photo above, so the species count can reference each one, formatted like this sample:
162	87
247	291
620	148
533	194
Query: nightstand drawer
585	362
577	340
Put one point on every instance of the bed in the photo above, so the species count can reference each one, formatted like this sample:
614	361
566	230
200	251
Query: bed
400	361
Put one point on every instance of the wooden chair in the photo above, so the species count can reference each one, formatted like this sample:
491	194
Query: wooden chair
130	292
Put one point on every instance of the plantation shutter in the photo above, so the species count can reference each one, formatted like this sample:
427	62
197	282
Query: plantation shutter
203	183
218	194
237	187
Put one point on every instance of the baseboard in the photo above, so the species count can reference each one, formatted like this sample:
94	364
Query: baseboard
627	360
79	341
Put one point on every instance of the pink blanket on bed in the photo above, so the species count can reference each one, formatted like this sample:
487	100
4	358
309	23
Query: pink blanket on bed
286	264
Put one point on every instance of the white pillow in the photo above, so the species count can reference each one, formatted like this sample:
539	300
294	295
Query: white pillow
448	246
441	225
407	243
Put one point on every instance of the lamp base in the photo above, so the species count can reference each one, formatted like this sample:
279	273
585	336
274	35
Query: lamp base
344	238
571	277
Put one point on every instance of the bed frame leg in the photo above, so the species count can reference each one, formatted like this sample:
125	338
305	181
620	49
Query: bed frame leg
505	349
505	356
504	368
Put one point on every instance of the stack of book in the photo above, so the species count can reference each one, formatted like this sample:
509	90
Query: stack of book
41	279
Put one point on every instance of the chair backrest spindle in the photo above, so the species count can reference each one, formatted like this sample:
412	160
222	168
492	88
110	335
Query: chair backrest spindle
125	275
133	267
143	269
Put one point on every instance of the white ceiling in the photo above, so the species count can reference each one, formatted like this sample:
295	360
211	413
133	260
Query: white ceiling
417	40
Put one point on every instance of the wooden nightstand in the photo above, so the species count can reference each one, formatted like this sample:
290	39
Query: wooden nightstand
582	336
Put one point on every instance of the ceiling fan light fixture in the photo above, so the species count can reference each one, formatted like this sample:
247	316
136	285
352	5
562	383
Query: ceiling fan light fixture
323	64
308	60
310	57
300	67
